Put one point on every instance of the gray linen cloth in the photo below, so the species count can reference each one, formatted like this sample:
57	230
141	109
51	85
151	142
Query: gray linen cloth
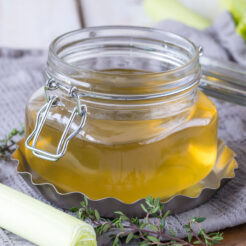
21	73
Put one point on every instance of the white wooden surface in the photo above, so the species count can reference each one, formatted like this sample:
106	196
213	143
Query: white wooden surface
34	23
115	12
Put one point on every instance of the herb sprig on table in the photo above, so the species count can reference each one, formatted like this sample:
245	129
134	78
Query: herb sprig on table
8	144
124	229
143	231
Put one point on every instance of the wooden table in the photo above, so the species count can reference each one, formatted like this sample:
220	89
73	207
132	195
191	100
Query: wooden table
235	236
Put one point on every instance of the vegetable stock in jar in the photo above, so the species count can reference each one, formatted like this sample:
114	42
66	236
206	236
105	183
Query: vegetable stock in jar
121	116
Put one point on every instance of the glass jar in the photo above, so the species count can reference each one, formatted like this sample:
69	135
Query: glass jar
121	115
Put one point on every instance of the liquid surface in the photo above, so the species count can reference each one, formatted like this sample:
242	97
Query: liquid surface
130	170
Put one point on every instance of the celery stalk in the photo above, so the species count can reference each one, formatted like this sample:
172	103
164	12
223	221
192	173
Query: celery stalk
41	223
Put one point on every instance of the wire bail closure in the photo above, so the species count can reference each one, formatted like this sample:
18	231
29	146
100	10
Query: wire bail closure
81	110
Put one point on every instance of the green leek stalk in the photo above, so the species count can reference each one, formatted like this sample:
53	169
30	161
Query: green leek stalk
41	223
159	10
238	11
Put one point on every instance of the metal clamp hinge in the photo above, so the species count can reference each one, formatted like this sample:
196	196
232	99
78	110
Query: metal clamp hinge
80	110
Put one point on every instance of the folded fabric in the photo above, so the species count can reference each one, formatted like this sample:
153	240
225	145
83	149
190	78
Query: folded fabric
219	41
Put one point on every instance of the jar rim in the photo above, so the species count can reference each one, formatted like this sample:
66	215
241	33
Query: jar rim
175	58
53	53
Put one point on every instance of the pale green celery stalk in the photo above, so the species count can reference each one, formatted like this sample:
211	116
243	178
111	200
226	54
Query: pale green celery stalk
172	9
41	223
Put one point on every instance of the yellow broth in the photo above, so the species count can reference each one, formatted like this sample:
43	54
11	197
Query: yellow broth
129	170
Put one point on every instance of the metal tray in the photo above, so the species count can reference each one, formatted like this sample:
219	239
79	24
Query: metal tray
184	200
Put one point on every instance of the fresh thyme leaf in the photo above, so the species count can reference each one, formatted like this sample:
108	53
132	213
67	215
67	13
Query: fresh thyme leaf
153	227
143	208
199	220
97	215
73	209
153	239
143	231
116	241
189	236
129	237
197	242
171	231
8	144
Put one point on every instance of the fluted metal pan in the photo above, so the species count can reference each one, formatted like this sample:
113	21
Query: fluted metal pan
189	198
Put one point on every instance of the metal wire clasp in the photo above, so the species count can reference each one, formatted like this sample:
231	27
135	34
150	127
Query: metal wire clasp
80	110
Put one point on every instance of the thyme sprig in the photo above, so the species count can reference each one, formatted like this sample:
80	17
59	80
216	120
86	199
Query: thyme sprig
143	231
8	144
